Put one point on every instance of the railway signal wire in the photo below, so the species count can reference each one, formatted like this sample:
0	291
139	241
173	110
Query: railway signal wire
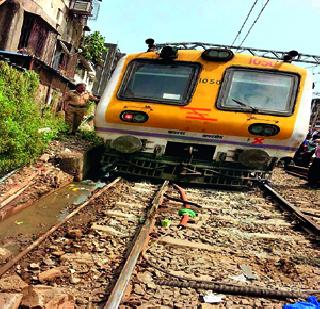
245	21
254	22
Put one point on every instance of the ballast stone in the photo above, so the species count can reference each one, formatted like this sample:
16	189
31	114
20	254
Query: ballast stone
10	301
51	274
47	297
5	254
12	283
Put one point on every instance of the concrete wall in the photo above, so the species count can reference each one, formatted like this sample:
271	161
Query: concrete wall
11	20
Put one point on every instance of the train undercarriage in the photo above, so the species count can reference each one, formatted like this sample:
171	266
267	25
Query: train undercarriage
192	171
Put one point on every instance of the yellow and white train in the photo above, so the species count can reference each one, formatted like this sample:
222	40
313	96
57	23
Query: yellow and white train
209	116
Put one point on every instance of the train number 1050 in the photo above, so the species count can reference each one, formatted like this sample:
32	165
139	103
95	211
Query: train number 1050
209	81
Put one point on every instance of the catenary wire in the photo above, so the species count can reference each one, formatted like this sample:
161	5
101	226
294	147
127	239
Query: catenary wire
248	15
260	13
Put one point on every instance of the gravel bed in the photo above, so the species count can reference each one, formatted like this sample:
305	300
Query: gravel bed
86	254
239	229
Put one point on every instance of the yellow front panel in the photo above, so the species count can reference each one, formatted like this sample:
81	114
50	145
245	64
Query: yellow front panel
201	114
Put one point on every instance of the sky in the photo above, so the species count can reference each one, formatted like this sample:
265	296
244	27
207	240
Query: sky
284	25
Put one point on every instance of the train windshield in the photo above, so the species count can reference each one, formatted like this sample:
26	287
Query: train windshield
149	80
259	91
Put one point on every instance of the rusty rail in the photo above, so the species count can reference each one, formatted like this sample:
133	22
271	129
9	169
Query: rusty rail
299	171
234	290
36	243
139	243
307	222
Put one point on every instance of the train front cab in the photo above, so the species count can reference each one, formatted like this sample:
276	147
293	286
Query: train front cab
203	119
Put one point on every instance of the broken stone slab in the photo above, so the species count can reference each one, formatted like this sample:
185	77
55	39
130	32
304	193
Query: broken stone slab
248	272
51	274
5	254
10	301
106	229
12	283
47	297
77	258
174	242
119	214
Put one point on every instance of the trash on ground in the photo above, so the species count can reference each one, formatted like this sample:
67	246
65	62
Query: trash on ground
311	303
213	298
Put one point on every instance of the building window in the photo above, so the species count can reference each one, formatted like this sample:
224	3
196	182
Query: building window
34	35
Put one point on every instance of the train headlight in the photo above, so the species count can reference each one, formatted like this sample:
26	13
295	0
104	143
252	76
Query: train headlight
263	129
134	116
254	158
218	55
126	144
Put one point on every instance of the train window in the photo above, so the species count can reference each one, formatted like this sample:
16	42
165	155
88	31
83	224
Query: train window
158	81
265	92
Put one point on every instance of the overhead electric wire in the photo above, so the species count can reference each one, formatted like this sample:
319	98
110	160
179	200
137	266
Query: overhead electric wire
255	21
248	15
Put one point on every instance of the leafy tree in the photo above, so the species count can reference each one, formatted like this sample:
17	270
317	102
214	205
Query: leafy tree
93	47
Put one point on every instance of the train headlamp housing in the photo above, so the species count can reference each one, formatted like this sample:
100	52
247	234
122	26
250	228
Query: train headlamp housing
263	129
169	52
134	116
126	144
218	55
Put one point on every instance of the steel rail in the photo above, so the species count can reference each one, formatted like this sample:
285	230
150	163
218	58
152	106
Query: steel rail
297	171
139	242
307	222
37	242
234	290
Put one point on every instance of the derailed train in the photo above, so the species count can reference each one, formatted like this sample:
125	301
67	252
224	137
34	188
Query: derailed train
209	116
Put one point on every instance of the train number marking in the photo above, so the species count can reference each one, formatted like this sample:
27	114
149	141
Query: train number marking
177	133
209	81
198	113
258	140
263	63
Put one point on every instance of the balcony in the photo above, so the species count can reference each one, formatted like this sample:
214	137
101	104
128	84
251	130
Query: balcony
81	7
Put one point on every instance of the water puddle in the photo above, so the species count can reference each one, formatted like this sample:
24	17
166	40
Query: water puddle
44	213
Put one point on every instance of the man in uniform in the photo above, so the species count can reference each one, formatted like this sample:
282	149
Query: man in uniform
76	105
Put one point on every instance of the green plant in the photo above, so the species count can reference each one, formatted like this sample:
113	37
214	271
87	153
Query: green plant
92	137
21	140
57	126
93	47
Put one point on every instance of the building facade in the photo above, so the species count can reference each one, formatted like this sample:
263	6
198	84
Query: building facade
104	72
49	31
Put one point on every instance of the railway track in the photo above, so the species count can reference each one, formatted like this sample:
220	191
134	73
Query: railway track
299	171
130	246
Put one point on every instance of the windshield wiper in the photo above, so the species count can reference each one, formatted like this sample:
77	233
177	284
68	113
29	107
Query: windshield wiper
254	110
